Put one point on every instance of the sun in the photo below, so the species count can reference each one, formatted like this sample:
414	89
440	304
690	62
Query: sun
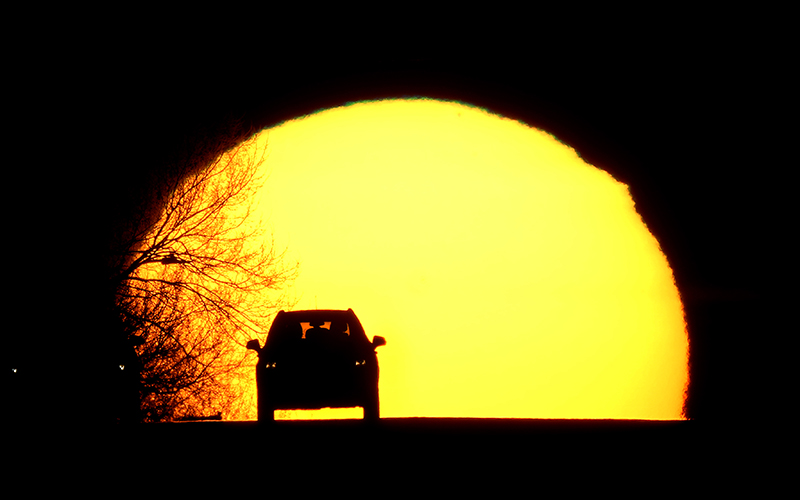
510	278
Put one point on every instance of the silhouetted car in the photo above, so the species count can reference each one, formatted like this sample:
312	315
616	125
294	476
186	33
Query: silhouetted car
317	359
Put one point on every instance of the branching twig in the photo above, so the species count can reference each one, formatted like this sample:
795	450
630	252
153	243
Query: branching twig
198	283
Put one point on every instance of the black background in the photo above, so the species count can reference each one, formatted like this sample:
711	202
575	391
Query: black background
691	119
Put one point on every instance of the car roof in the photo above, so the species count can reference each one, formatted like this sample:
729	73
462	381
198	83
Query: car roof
284	317
312	314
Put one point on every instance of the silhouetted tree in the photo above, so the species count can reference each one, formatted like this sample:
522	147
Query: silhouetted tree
195	277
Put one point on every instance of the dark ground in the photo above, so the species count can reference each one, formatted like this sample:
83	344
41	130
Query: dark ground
418	456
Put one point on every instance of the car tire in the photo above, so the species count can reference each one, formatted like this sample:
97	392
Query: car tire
266	414
372	410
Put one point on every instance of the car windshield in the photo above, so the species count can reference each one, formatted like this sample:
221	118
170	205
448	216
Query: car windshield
317	327
324	328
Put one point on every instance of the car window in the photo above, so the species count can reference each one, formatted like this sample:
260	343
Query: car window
324	328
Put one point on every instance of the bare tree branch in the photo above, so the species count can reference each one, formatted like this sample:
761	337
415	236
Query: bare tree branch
198	281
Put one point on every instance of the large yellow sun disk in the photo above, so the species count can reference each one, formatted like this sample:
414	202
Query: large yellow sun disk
510	278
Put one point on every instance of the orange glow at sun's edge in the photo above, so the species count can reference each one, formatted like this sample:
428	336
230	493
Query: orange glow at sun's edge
510	278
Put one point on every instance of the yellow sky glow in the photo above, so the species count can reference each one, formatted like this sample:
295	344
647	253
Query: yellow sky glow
509	277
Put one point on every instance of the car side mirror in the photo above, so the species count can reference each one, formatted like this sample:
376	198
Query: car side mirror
253	345
378	341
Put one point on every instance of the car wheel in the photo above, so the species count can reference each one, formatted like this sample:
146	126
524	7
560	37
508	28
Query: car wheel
266	413
372	410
